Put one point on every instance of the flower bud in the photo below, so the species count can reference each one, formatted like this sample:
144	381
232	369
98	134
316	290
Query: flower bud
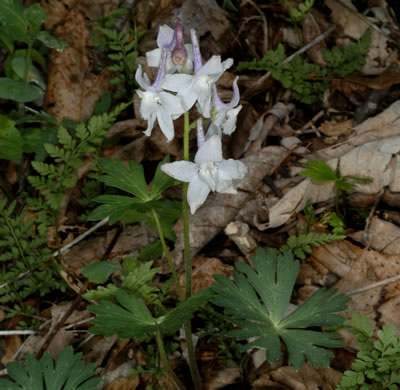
179	54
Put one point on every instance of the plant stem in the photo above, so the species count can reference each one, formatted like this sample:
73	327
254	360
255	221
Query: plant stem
168	255
167	366
188	262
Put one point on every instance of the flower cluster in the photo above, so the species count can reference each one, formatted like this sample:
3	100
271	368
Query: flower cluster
182	81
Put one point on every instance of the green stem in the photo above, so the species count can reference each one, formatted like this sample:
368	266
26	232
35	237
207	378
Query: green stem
164	359
168	255
186	237
188	262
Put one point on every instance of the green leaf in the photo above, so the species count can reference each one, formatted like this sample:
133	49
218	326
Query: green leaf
13	20
127	179
175	318
31	139
69	373
35	16
52	42
256	301
11	142
115	206
161	180
134	319
99	271
18	90
319	171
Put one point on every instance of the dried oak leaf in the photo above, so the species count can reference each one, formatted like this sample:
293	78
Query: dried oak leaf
220	209
72	90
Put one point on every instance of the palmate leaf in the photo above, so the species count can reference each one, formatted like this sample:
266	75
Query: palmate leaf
69	373
127	179
115	206
257	298
134	319
319	171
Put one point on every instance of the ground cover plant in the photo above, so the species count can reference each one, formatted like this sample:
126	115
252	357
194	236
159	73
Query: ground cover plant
183	210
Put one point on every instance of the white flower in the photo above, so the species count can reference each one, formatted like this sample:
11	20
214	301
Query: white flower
209	172
166	40
157	104
197	87
225	113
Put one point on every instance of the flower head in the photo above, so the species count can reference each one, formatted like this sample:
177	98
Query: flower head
209	172
167	39
197	87
225	113
157	104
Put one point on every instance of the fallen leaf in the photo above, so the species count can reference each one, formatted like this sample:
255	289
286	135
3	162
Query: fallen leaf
204	269
307	378
335	129
376	160
72	90
128	383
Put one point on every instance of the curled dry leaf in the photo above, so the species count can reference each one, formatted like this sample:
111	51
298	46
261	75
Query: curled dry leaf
377	160
384	125
72	90
307	378
220	209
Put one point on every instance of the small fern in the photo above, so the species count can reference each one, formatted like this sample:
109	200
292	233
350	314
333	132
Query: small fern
135	278
27	269
301	245
57	176
308	81
123	55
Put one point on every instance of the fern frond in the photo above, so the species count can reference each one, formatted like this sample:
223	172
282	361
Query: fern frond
301	245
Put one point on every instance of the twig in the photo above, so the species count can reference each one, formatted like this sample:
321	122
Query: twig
371	286
18	332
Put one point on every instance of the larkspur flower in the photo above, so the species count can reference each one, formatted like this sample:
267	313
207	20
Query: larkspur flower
225	114
197	87
166	39
157	104
209	172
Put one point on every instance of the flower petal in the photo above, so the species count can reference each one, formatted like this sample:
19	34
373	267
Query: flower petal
211	67
229	125
230	170
166	124
142	79
211	150
150	124
197	193
172	104
153	57
177	82
180	170
165	36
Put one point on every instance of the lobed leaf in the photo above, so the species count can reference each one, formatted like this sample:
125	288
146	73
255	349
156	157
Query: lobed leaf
256	301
